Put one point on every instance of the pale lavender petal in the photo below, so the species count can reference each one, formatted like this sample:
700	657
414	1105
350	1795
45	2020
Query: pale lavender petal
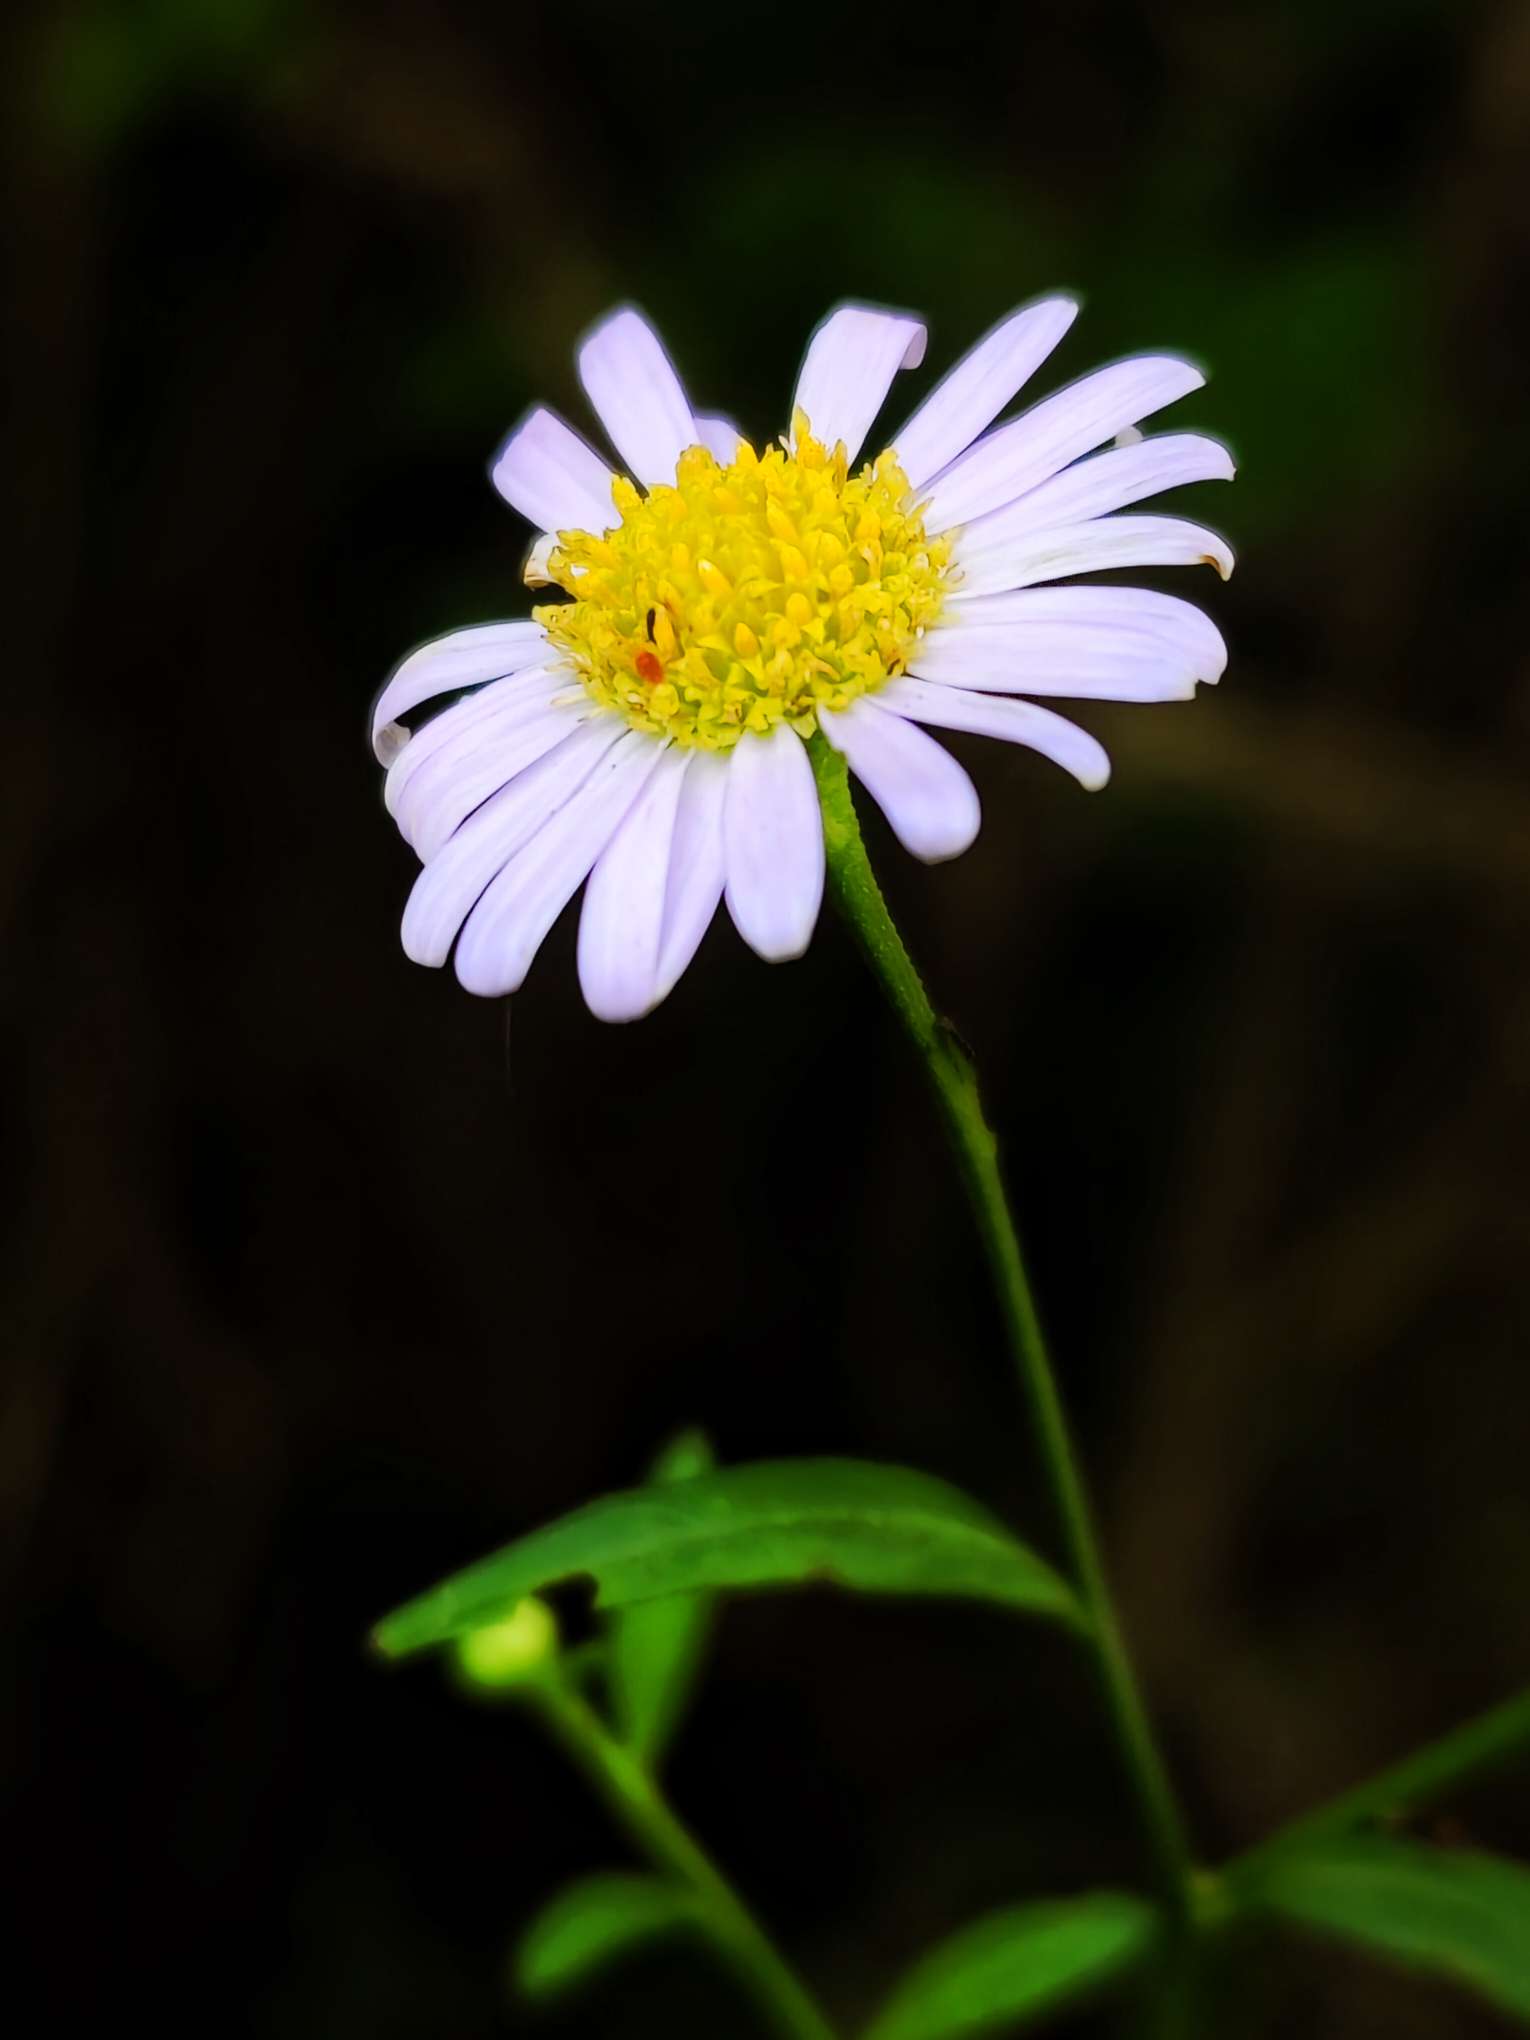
1032	447
720	436
1016	722
1188	631
926	796
695	867
446	889
556	481
968	400
1091	548
1065	659
449	788
637	395
1106	482
456	728
622	919
463	658
773	844
849	368
507	927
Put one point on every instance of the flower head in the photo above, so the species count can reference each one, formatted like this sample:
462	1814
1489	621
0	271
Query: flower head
719	604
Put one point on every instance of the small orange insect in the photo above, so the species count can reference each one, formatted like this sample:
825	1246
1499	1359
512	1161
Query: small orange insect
648	665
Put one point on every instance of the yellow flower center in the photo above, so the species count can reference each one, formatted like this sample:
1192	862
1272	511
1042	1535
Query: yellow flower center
748	595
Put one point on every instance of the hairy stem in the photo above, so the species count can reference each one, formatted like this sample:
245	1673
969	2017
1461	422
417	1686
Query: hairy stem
634	1797
951	1071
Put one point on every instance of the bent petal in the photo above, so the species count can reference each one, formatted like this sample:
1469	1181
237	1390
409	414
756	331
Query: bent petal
927	798
622	919
637	395
506	929
849	368
773	851
1091	548
535	572
463	658
1015	722
557	482
446	890
973	394
1031	448
1105	482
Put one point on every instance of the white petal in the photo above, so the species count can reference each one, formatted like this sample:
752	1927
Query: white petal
548	473
638	396
458	728
506	928
773	844
1032	447
463	658
981	384
445	890
1016	722
926	796
695	867
849	368
1186	630
535	573
1066	659
449	788
622	919
1090	548
720	436
1106	482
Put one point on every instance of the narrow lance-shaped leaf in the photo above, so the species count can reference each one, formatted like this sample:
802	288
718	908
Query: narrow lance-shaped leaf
1454	1912
879	1529
594	1922
656	1646
1017	1965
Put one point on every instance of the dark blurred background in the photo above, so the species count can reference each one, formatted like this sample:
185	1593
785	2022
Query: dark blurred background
321	1278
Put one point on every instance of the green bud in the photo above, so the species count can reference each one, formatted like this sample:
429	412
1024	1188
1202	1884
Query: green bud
512	1651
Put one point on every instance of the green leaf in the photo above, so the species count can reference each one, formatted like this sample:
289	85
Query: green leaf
656	1646
1455	1912
594	1922
841	1522
1016	1965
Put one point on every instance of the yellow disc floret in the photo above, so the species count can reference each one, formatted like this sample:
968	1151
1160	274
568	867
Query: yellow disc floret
748	594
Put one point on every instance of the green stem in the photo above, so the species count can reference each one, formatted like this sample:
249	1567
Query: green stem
1478	1746
635	1799
951	1071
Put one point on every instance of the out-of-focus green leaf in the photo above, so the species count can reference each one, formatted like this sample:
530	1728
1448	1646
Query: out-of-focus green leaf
1454	1912
1016	1965
656	1646
839	1522
592	1923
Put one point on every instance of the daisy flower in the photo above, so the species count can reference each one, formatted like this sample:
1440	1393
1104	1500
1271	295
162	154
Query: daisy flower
718	604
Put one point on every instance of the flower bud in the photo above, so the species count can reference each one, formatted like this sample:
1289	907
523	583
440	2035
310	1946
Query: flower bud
512	1651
